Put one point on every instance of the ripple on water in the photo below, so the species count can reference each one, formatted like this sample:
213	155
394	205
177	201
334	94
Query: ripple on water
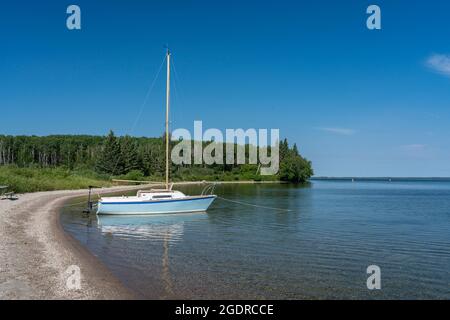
320	249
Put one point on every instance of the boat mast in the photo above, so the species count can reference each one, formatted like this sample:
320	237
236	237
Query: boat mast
167	118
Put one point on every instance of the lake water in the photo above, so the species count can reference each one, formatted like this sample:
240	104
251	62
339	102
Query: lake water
319	249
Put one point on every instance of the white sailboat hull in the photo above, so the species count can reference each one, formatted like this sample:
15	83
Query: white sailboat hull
188	204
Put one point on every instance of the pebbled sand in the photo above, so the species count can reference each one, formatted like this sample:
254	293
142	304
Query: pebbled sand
35	252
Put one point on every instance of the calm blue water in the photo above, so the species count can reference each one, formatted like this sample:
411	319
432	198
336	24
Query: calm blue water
320	249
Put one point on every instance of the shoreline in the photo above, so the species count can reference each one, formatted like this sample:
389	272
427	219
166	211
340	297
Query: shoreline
35	252
185	183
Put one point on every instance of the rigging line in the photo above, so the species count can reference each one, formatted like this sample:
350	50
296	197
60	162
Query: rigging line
252	205
176	78
142	106
147	96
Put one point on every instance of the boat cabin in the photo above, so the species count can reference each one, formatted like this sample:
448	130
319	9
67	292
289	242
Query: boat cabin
160	194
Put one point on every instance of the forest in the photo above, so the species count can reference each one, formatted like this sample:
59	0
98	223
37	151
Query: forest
83	159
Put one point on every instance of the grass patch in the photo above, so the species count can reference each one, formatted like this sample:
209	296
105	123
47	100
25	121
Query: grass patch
45	179
32	179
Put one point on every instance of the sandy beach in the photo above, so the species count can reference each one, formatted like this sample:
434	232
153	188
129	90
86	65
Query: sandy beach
35	252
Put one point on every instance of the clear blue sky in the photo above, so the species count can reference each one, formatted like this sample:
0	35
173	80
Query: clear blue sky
357	102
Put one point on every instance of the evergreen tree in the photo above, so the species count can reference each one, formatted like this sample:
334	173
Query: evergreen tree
116	156
110	159
153	159
295	168
284	149
295	149
129	154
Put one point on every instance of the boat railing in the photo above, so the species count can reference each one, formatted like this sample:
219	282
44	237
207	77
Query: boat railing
209	189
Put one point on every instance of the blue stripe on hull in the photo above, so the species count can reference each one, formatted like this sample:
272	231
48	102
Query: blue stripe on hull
156	207
158	201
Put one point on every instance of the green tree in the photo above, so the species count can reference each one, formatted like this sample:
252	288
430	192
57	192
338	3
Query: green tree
293	167
110	159
116	156
153	158
129	154
284	149
295	149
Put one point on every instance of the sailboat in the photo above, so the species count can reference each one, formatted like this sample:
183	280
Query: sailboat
157	201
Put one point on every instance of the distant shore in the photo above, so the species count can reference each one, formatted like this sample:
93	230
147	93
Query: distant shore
380	179
183	183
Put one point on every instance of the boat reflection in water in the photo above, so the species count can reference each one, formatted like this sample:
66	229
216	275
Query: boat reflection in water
148	227
167	229
156	227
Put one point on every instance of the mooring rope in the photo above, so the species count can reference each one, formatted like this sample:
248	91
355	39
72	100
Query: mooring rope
94	203
218	197
74	204
222	198
252	205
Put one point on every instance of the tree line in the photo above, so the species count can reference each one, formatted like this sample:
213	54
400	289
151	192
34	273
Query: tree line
135	158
